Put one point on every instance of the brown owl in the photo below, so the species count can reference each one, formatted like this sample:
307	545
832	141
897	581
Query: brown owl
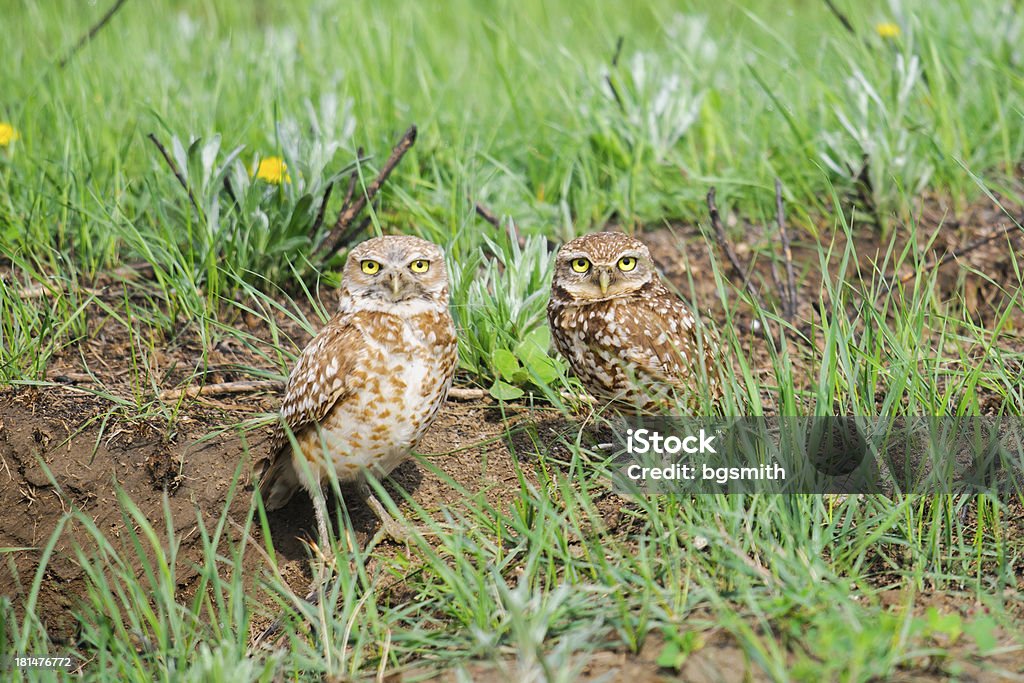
629	339
367	387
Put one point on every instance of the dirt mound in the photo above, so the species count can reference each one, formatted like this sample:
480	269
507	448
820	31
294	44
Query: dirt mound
57	453
56	456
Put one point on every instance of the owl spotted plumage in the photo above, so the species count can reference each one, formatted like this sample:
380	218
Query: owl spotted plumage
629	339
367	387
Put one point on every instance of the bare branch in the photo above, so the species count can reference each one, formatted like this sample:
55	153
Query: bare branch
223	388
488	215
90	34
231	191
175	170
335	239
734	261
723	243
461	394
323	209
196	391
963	251
347	201
789	298
866	192
608	77
841	17
493	219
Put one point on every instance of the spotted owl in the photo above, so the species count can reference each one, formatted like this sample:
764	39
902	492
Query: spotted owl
630	340
367	387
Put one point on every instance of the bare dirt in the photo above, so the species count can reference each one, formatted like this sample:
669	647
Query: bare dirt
64	447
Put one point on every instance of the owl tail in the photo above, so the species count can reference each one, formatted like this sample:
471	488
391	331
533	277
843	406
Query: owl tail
279	481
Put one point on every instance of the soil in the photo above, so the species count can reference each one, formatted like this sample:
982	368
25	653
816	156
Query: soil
91	448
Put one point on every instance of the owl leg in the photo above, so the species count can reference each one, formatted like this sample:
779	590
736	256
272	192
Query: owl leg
320	510
320	568
392	529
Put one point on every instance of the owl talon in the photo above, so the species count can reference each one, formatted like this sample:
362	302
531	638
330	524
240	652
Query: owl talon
395	532
389	528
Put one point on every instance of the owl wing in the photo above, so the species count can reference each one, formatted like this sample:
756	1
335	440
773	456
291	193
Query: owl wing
321	377
664	345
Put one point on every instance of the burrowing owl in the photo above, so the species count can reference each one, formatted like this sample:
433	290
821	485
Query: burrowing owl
367	387
625	335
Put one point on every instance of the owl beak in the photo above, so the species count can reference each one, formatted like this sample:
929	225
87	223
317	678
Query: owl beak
396	285
604	279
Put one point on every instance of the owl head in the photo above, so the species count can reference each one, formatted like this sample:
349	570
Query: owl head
602	266
396	270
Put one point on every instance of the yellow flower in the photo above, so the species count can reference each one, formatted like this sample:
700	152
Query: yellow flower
7	134
888	30
273	170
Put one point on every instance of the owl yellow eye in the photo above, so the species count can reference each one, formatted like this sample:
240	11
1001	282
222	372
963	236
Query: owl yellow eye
369	267
627	263
580	265
419	266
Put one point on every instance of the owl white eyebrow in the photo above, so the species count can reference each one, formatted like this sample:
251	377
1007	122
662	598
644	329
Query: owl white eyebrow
575	255
579	254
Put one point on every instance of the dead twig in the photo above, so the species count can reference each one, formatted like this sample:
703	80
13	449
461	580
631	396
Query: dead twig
222	388
90	34
175	170
487	215
226	407
135	271
71	378
466	394
841	17
730	254
323	209
866	192
230	190
341	230
352	181
723	244
789	298
103	284
962	251
493	219
39	291
737	268
608	76
345	202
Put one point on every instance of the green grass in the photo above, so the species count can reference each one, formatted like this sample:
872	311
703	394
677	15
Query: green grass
520	107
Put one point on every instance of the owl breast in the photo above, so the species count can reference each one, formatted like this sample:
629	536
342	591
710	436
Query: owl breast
637	352
592	339
403	383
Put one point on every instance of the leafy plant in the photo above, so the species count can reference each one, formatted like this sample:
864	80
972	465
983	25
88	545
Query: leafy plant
880	138
678	647
503	338
528	363
261	218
